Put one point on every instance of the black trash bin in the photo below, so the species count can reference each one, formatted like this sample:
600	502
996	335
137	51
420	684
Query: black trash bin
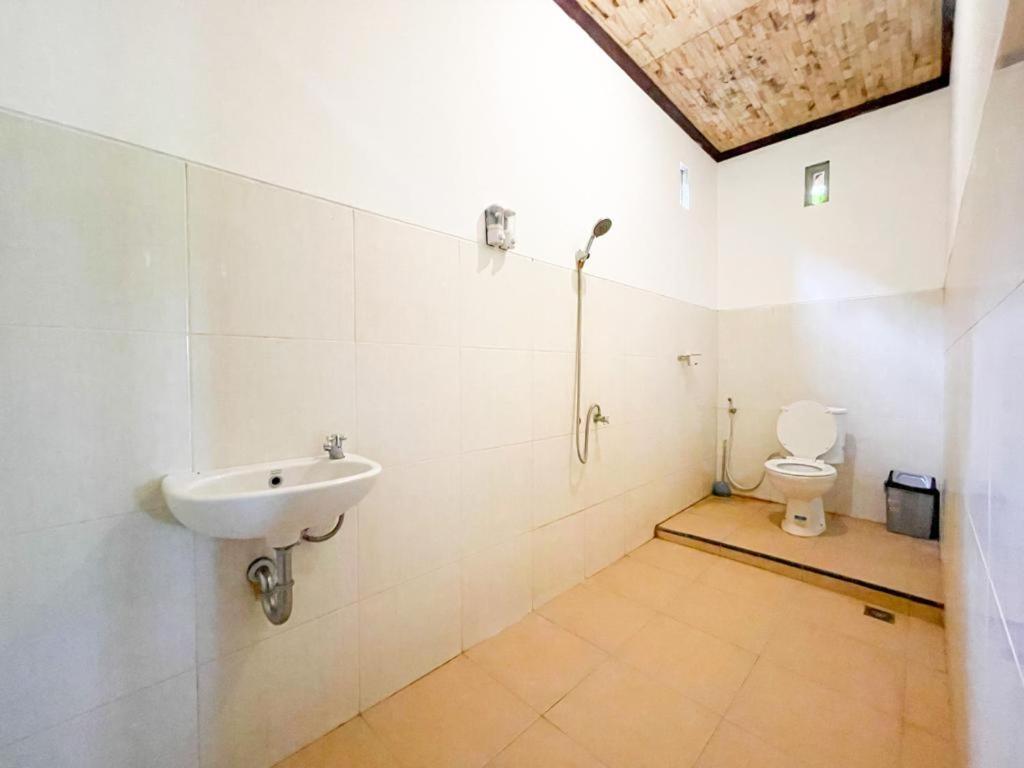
912	504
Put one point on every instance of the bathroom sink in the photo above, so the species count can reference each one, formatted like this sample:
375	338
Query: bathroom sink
275	501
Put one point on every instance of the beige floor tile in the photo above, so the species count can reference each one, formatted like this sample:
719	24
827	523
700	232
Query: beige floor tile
598	616
544	746
790	571
926	644
927	703
698	665
923	750
712	528
865	550
814	723
748	581
846	615
845	664
928	613
645	584
537	660
732	747
742	620
686	541
742	511
684	561
765	535
860	593
628	720
353	745
458	716
850	547
924	581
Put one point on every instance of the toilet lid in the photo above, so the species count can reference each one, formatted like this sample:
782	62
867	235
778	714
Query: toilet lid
806	429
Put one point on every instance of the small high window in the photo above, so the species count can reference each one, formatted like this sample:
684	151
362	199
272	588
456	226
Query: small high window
684	186
816	184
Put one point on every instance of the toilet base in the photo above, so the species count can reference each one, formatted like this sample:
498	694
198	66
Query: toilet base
804	518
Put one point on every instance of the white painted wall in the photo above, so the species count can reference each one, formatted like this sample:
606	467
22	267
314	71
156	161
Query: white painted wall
978	27
882	232
425	112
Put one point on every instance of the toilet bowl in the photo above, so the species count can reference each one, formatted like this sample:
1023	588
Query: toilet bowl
806	430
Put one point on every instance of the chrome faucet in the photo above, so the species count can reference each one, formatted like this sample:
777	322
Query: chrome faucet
596	416
333	446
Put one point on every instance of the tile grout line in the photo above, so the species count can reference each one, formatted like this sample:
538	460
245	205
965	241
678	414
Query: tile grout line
96	708
190	395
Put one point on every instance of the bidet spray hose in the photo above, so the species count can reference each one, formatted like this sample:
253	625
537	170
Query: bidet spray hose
727	457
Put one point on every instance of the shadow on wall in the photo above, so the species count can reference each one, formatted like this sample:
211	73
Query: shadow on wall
841	498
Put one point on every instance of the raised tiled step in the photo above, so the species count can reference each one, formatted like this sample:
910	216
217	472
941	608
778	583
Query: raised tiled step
854	557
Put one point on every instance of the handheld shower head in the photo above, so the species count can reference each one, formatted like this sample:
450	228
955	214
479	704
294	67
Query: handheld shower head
600	229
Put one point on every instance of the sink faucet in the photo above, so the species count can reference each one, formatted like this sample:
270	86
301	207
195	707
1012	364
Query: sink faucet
333	446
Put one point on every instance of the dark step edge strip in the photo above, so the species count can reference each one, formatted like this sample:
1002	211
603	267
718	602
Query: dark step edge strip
813	569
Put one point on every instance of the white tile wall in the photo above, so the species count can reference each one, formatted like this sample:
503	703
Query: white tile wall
496	495
407	283
286	317
553	385
558	557
496	588
267	262
256	399
496	397
154	727
93	232
407	631
410	524
495	295
550	493
984	514
91	420
260	704
407	402
94	611
605	528
551	317
880	357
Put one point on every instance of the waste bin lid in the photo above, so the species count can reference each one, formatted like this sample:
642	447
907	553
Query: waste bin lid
912	480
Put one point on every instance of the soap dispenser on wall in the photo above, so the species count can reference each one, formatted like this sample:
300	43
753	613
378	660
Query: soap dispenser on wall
500	227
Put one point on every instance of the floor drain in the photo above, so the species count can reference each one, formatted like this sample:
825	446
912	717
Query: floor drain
878	613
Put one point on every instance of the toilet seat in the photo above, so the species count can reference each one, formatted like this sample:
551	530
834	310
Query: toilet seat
794	466
806	429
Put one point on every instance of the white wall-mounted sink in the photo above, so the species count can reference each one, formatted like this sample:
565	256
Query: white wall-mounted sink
275	501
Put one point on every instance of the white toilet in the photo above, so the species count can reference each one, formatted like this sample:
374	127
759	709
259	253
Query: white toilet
810	432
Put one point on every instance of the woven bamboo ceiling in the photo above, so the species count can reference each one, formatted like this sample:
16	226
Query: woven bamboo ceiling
739	74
